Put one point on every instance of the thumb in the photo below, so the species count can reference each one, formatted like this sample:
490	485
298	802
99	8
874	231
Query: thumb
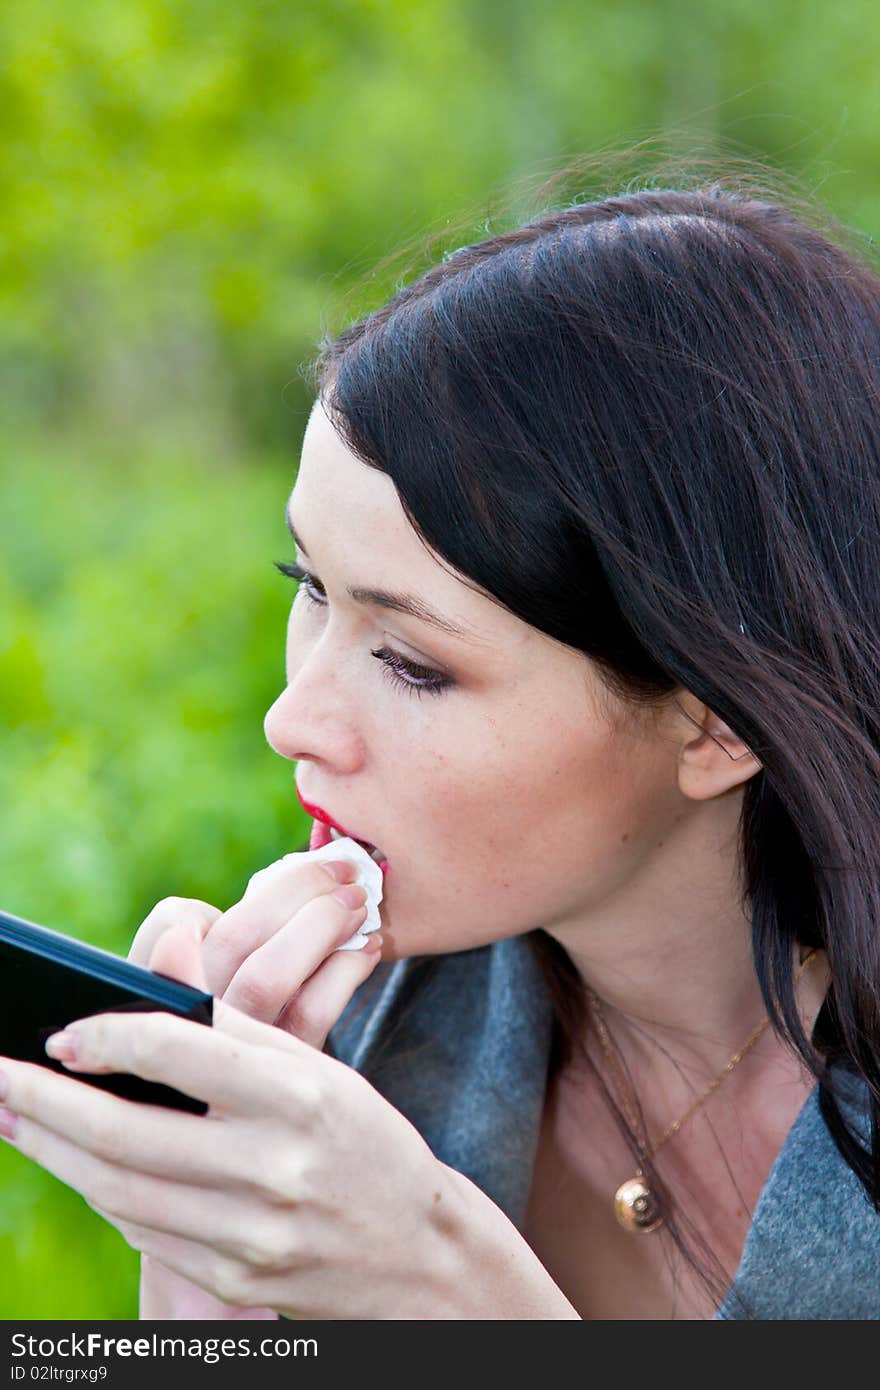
178	953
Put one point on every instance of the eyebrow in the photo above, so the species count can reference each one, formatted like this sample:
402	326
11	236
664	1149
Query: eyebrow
408	604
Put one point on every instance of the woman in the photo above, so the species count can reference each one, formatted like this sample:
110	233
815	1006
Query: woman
602	493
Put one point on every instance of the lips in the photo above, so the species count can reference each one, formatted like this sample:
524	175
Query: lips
321	832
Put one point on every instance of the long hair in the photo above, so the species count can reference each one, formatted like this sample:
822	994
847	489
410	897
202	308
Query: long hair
672	396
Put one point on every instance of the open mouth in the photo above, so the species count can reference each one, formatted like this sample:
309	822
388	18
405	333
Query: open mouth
372	851
323	834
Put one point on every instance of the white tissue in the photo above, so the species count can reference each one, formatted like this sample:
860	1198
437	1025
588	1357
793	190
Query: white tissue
369	876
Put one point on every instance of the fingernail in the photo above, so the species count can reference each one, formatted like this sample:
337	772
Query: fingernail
374	944
8	1124
353	895
62	1046
340	870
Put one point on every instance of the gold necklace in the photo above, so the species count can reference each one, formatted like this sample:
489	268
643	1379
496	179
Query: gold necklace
635	1205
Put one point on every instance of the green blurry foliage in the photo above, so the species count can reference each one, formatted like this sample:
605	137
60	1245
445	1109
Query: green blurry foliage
188	187
141	641
192	192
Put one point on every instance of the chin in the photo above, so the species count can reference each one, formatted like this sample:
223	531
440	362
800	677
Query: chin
406	934
398	945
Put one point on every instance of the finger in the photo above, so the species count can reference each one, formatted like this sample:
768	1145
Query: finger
210	1270
144	1138
165	1294
265	982
236	1024
125	1194
316	1007
233	1076
277	894
177	953
345	870
188	912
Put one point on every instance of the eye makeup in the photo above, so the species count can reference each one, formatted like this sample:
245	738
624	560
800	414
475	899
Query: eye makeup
414	678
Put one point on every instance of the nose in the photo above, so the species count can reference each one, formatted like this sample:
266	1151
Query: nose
312	718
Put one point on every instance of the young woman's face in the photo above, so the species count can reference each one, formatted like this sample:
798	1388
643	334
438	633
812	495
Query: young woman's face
502	782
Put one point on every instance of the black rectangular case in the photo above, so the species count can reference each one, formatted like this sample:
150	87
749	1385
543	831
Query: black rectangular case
48	980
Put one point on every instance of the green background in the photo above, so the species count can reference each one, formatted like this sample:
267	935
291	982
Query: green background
192	193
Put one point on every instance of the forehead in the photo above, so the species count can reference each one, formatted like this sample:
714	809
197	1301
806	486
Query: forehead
343	499
351	516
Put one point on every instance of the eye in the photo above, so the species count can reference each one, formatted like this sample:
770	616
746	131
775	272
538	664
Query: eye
416	679
309	585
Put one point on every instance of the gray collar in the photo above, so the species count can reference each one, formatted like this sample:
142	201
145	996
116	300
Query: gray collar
460	1044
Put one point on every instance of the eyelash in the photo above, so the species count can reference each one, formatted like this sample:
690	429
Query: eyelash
418	680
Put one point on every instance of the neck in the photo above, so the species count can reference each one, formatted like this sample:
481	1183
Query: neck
669	955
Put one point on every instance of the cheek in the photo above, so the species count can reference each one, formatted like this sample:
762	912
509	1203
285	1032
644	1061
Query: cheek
294	647
515	844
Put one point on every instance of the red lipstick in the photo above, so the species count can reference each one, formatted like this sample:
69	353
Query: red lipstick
320	837
318	814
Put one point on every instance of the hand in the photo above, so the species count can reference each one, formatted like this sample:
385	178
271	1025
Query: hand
237	966
302	1189
273	955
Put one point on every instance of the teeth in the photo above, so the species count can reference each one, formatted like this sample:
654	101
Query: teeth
375	854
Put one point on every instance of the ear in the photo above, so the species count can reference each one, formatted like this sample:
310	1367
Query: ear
712	759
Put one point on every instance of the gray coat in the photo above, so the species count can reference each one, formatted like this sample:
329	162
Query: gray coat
460	1043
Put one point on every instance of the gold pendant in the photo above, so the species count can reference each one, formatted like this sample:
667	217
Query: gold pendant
636	1207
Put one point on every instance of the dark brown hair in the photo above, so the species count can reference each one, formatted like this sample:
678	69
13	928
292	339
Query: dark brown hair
673	396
